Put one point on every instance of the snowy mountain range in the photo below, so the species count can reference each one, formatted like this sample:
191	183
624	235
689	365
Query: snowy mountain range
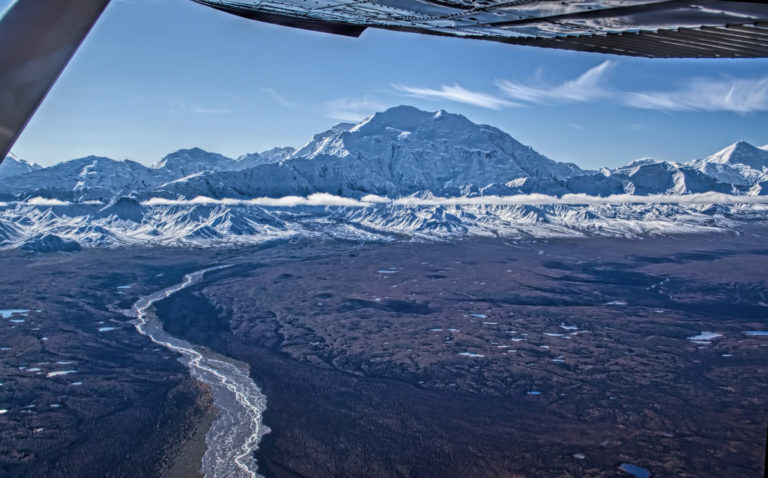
399	173
398	152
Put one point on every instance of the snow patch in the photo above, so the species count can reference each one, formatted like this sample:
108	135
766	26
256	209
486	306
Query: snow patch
59	373
704	338
8	313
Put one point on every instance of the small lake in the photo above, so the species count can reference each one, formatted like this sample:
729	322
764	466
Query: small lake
634	470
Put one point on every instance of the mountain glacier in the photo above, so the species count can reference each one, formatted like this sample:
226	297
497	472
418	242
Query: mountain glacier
401	173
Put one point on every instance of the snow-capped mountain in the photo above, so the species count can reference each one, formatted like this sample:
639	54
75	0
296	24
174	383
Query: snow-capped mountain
647	176
740	164
417	150
191	161
15	166
397	152
186	162
420	149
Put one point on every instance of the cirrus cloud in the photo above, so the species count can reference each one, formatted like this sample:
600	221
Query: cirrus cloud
353	109
725	94
588	86
729	94
458	94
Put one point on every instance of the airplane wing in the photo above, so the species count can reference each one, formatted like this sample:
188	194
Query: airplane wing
649	28
37	40
44	34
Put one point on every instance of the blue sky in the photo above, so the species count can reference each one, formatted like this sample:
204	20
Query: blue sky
155	76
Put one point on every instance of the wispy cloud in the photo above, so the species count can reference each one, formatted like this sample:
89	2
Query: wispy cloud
458	94
230	96
208	111
588	86
184	107
736	95
353	109
280	98
742	95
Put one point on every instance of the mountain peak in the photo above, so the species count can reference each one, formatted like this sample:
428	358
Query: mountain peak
740	152
270	156
406	118
190	153
14	166
278	154
93	157
641	162
342	127
193	160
